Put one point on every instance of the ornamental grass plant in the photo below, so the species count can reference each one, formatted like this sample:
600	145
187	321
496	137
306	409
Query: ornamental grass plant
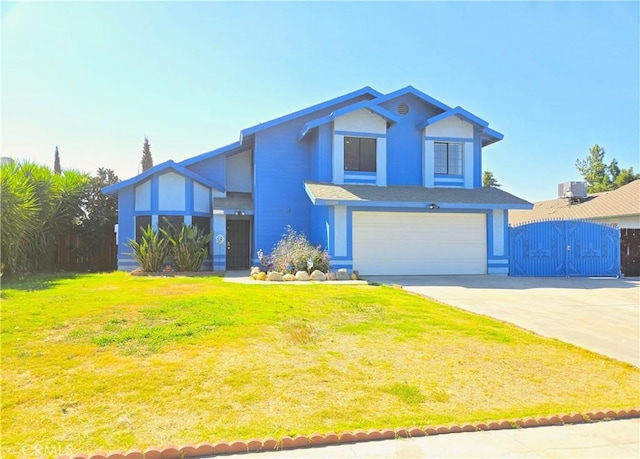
152	250
189	246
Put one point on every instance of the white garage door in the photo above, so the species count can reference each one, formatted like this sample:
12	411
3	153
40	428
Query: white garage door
416	243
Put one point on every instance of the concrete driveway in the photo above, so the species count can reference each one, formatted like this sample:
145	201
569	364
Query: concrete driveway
602	315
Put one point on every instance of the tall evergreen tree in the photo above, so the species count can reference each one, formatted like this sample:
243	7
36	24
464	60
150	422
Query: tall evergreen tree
489	180
56	163
600	176
147	160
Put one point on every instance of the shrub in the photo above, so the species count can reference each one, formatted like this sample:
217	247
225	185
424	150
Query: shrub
189	247
295	253
151	251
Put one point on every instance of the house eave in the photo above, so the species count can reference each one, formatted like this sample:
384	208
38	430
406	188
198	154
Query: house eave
414	92
367	105
327	194
367	90
419	205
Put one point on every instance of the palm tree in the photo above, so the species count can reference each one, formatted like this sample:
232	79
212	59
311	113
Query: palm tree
18	215
42	205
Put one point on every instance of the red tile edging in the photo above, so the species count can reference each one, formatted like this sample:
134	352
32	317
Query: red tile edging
331	438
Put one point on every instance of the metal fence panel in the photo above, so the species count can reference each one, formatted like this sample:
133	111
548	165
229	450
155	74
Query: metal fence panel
564	248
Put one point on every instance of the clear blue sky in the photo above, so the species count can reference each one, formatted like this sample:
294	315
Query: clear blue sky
95	78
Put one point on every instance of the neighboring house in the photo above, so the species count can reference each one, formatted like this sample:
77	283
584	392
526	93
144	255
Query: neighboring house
620	207
387	183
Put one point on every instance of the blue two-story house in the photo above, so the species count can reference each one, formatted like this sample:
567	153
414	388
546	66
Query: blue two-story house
387	183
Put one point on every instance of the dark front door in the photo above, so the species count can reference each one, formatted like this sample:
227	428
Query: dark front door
238	237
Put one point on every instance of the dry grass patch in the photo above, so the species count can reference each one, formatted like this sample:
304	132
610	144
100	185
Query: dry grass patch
113	362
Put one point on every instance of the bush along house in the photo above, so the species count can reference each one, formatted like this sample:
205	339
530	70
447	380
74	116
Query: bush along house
387	183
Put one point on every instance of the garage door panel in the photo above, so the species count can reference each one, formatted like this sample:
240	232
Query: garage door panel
414	243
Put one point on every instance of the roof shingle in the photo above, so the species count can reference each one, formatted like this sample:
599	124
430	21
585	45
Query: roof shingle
359	194
620	202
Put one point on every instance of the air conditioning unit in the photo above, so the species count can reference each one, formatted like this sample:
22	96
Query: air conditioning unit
573	191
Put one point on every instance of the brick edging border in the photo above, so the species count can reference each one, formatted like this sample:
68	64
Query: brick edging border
317	439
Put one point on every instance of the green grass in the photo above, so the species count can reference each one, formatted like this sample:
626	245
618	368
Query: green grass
113	362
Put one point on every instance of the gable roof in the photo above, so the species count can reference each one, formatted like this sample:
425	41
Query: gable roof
623	201
210	154
167	166
306	111
457	111
363	104
374	99
248	132
414	92
489	136
413	196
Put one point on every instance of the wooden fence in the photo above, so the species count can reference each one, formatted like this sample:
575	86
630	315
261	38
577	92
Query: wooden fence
630	252
72	253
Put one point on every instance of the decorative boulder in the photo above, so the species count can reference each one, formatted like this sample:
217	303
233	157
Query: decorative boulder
354	276
355	273
318	276
274	276
331	276
255	270
302	276
342	274
260	276
288	277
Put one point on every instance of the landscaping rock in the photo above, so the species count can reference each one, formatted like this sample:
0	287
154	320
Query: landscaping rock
355	273
354	276
318	276
302	276
255	270
274	276
331	276
342	274
260	276
288	277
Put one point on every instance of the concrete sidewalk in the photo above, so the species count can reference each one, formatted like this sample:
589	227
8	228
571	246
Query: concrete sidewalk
612	439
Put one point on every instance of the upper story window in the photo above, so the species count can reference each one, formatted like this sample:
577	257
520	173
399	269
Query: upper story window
359	154
448	158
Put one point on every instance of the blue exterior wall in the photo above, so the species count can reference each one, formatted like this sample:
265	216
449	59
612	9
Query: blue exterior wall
477	159
321	156
405	141
320	227
126	230
127	216
215	169
281	165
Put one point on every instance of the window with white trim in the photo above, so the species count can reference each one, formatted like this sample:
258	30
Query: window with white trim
448	158
359	154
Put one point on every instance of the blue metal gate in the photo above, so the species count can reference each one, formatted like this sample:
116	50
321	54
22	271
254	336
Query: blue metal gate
564	248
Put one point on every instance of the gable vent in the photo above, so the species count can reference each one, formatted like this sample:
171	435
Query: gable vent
403	108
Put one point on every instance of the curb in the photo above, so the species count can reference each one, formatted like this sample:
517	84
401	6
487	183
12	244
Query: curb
317	439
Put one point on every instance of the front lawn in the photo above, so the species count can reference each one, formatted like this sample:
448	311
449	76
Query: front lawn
113	362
